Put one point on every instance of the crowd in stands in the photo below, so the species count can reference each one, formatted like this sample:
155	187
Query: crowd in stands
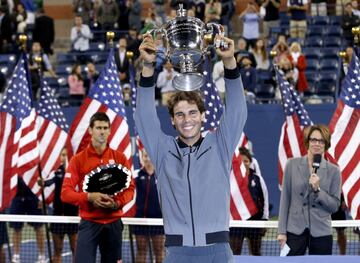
306	35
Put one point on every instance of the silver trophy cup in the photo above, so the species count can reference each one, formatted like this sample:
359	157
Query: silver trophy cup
185	42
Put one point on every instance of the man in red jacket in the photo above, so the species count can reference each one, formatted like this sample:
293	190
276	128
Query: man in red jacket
100	213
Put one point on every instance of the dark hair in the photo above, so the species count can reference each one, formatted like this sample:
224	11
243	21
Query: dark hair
246	152
192	97
324	131
99	116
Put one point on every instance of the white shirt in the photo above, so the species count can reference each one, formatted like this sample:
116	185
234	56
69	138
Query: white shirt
218	76
166	84
80	41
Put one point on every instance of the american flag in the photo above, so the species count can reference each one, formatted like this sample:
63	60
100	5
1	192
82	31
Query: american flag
242	205
291	142
104	96
19	152
345	137
52	135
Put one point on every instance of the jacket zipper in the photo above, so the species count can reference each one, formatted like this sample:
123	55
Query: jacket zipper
191	209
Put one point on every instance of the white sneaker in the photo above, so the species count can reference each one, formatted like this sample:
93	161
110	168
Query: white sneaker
41	259
15	258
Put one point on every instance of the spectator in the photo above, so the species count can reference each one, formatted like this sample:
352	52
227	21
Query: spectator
91	76
83	8
287	69
306	201
100	225
148	206
218	77
243	51
134	7
297	9
248	76
25	202
227	12
80	37
251	20
281	48
124	16
108	15
133	42
212	11
20	17
318	8
271	18
200	9
76	84
164	83
299	62
349	20
4	239
159	8
258	192
59	230
122	62
5	30
44	31
45	67
152	20
340	214
260	54
355	6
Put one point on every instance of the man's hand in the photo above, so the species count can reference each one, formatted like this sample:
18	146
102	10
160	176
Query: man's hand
147	54
314	182
282	240
102	200
226	54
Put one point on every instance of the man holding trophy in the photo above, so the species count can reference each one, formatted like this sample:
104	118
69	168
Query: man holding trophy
192	171
99	181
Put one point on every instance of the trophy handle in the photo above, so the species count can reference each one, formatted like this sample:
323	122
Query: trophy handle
162	32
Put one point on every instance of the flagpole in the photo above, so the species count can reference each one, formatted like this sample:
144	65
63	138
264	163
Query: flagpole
38	61
356	32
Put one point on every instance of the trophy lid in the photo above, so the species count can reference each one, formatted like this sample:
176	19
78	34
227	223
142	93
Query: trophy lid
181	12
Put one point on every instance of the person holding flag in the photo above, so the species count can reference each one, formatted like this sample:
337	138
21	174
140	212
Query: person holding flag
192	171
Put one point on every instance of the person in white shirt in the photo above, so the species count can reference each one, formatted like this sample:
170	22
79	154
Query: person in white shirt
164	82
80	35
218	77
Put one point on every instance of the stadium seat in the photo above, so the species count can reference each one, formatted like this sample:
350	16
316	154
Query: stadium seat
264	92
311	53
329	65
263	76
312	64
320	20
332	41
63	70
315	31
335	20
330	53
65	58
313	42
334	31
99	58
326	89
97	47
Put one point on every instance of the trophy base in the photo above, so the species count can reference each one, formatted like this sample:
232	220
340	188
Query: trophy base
188	81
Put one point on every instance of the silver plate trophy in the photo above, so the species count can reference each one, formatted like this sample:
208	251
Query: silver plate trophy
185	42
107	179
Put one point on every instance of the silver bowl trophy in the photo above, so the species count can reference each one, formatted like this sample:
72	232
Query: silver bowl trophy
185	40
107	179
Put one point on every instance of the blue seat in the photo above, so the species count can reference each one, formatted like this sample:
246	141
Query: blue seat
312	64
335	20
263	76
65	58
332	42
97	47
315	31
311	53
63	70
320	20
99	58
330	53
264	91
334	31
313	41
327	76
326	89
6	59
329	64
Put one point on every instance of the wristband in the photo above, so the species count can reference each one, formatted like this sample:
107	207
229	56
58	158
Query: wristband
148	64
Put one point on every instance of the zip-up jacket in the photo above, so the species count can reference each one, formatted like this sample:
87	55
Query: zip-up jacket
80	165
193	181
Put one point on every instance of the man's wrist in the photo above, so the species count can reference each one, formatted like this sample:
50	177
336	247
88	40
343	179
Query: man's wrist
148	64
317	190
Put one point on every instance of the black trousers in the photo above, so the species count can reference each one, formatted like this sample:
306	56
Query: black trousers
91	235
316	245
